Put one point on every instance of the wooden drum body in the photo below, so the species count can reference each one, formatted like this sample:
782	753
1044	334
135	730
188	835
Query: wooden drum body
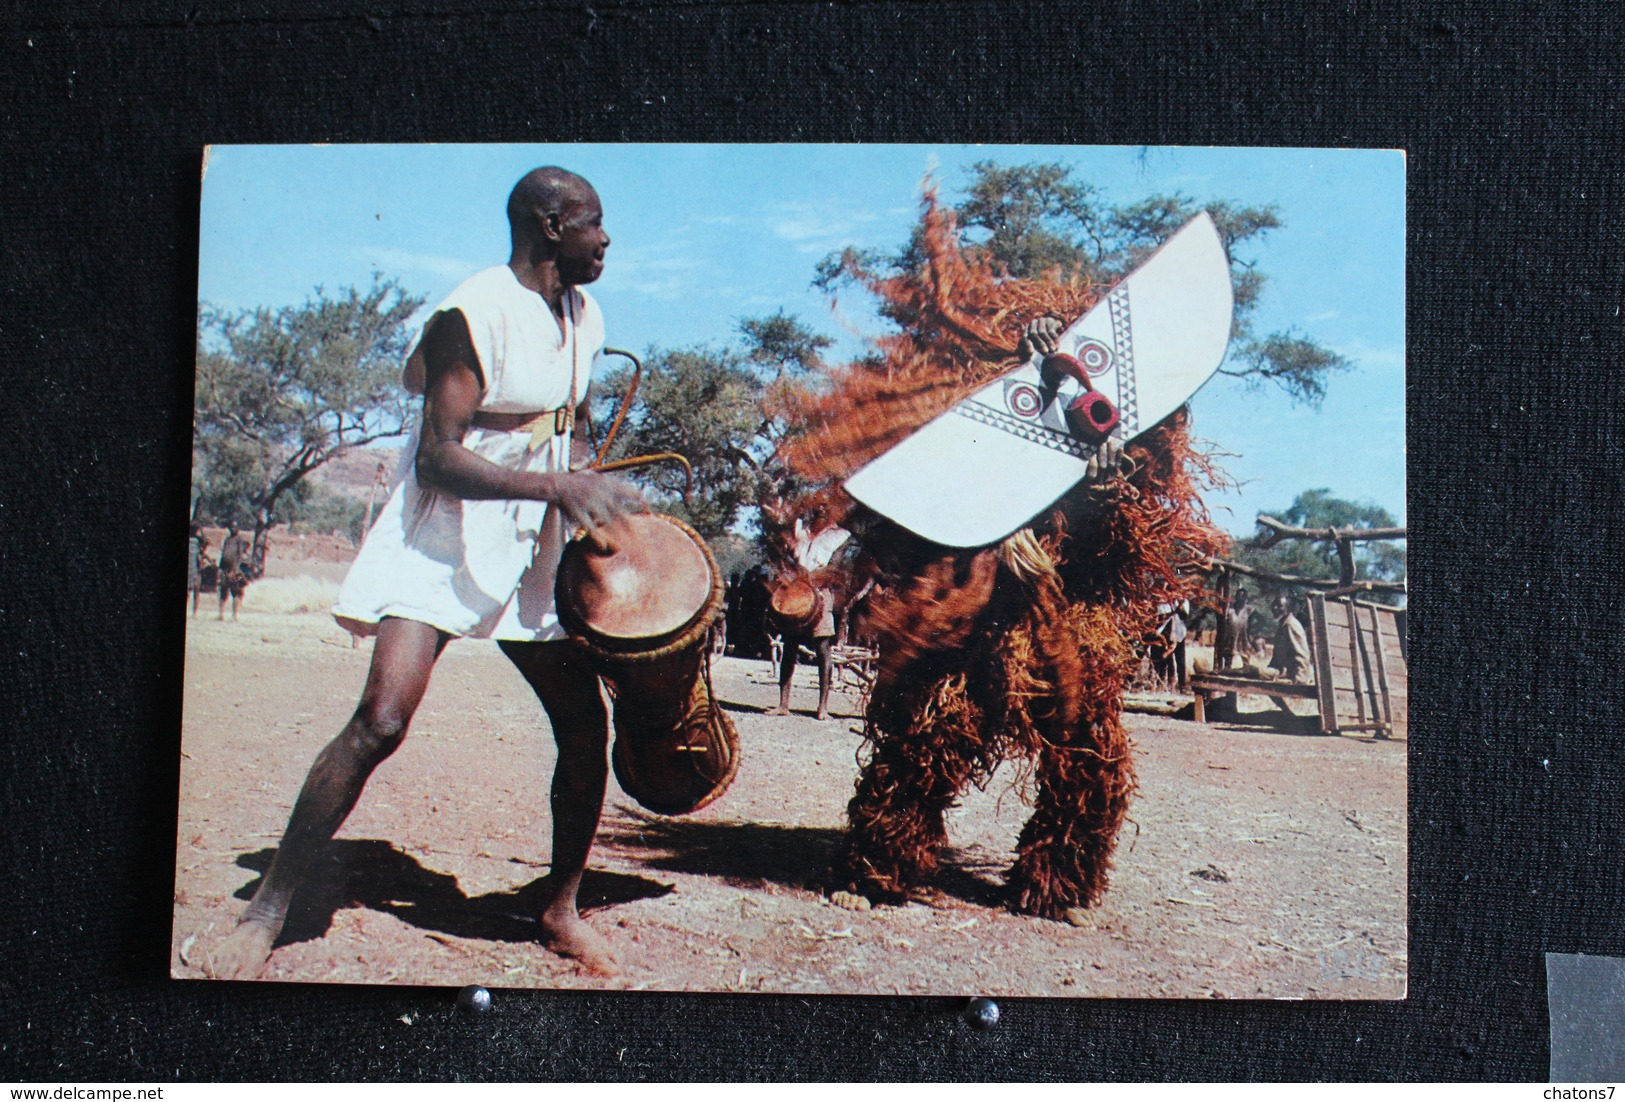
644	612
796	604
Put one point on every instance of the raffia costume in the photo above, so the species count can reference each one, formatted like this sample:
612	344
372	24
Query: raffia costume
1017	651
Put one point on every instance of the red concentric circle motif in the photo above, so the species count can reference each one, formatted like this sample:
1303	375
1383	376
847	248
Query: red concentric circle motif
1023	400
1094	356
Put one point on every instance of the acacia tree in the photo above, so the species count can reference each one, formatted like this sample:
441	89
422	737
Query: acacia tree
282	391
793	354
700	403
707	404
1036	218
784	345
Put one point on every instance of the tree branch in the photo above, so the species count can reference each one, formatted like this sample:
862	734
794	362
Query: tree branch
1279	530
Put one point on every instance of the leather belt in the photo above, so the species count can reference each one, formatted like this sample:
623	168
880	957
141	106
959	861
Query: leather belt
542	426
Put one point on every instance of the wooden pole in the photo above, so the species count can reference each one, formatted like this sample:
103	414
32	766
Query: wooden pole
1324	679
1365	663
1382	667
1363	586
378	477
1345	558
1279	530
1354	660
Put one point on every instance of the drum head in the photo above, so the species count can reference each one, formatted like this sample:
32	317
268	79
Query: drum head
655	584
796	604
795	599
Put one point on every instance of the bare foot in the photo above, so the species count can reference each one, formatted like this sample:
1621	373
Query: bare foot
821	716
850	901
242	955
568	936
779	711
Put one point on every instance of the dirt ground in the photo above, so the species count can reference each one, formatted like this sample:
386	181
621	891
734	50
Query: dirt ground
1258	863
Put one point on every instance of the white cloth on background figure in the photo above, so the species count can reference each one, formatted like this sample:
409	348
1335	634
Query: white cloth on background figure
484	568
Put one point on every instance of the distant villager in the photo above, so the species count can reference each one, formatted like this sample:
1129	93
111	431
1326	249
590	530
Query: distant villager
233	575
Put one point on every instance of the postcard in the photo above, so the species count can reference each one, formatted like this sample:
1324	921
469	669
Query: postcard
844	569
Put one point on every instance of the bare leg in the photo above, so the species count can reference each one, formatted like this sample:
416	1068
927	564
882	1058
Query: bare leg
825	647
787	674
222	606
401	661
236	603
569	692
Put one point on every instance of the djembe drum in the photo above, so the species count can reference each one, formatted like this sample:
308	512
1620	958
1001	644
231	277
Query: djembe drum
643	611
796	604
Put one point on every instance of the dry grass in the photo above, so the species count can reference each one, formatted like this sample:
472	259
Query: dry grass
300	593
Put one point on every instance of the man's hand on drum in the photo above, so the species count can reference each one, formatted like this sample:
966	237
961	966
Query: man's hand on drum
591	499
1041	337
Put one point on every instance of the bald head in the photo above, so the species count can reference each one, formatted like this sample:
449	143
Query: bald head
541	192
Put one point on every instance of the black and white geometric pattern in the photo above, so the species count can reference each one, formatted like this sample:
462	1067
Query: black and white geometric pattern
1025	430
1128	401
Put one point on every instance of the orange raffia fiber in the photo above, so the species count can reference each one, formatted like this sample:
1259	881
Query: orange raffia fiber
960	325
1013	652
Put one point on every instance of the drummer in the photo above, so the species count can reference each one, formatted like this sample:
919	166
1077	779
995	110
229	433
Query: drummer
813	553
820	639
468	544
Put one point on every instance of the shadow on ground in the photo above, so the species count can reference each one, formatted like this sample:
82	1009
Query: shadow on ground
755	855
1224	716
835	713
379	876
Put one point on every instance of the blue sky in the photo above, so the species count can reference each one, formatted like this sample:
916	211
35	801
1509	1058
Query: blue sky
704	235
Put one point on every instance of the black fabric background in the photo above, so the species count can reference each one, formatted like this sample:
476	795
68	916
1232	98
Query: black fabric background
1511	115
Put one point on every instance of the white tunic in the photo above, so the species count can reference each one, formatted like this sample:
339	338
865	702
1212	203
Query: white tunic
483	568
